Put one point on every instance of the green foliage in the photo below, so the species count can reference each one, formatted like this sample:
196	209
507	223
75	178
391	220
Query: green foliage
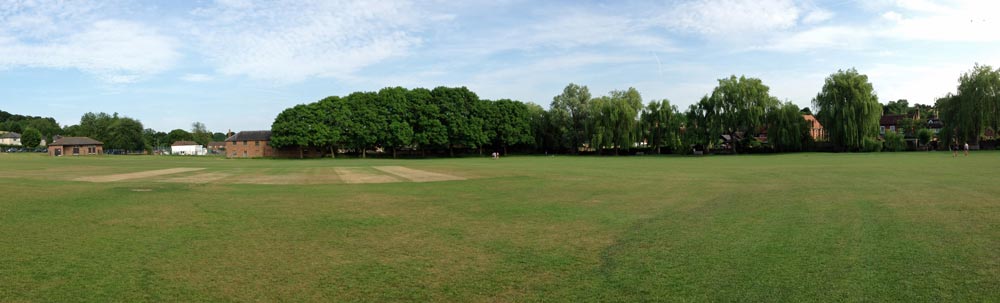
19	123
786	130
899	107
894	141
975	108
849	110
178	135
659	125
614	119
871	145
924	136
125	133
200	133
736	106
572	114
31	137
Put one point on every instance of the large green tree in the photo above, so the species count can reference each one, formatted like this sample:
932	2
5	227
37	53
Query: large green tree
178	135
31	137
787	128
573	108
428	129
659	125
742	105
298	127
975	108
614	119
200	133
511	124
458	107
125	134
395	111
849	110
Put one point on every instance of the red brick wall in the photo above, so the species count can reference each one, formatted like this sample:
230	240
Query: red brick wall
67	150
248	149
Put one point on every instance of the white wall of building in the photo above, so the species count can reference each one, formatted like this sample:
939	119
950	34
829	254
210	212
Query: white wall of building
190	150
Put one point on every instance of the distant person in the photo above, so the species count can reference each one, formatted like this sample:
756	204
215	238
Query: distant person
954	148
966	148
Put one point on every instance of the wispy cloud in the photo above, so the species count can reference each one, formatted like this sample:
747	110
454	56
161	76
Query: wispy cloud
197	78
290	41
73	36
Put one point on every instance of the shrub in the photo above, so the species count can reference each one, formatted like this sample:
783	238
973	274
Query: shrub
871	145
894	141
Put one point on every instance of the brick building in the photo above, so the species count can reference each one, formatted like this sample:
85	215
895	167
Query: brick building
249	144
257	144
75	146
815	129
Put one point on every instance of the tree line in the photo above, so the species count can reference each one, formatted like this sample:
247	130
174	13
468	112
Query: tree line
732	117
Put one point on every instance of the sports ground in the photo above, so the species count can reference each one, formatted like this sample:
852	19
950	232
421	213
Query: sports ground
910	227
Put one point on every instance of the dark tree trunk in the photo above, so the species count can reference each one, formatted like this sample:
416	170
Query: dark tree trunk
300	152
505	150
364	153
333	152
451	151
394	152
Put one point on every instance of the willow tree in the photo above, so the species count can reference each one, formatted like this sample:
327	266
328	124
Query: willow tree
787	128
742	105
976	107
849	110
659	124
614	119
573	107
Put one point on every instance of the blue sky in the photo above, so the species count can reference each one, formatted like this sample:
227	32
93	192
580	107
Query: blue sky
235	64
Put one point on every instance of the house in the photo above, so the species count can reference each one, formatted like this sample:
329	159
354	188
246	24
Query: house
189	148
14	139
216	147
934	124
890	123
815	128
76	146
257	143
10	138
249	144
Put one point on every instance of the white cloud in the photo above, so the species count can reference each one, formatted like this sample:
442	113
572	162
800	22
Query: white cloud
115	51
197	78
72	35
289	41
733	18
817	16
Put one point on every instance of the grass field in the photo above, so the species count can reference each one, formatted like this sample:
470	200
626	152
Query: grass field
908	227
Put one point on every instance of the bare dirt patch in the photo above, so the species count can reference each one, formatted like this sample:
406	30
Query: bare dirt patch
198	178
316	175
360	175
136	175
417	175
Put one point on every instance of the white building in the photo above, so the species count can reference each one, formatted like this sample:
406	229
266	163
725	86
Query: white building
189	148
14	139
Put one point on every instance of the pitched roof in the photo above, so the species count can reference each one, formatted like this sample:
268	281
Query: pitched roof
182	143
891	119
251	135
11	135
216	143
75	141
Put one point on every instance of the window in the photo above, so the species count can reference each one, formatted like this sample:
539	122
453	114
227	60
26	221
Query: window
244	143
234	143
244	153
256	143
881	129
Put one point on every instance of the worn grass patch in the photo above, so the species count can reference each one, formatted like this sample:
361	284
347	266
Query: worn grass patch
903	227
